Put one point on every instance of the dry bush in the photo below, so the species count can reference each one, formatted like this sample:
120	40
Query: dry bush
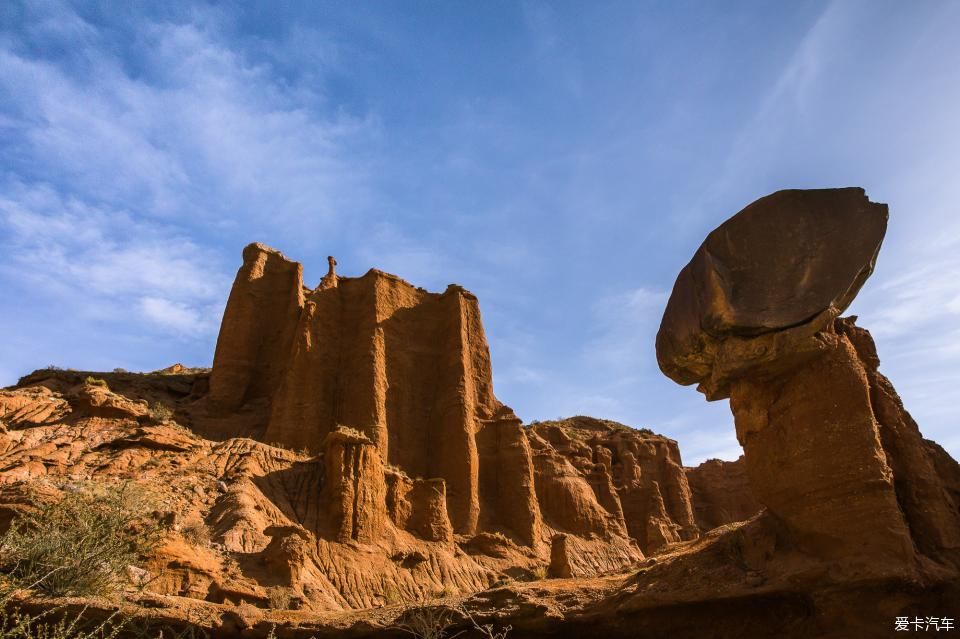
391	595
435	622
197	533
488	630
427	622
50	625
279	597
160	412
81	544
445	592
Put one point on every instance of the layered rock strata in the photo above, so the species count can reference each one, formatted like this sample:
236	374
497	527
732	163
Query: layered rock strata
348	449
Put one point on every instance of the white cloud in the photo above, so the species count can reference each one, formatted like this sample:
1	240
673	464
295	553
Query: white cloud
176	316
124	169
626	325
99	260
200	130
932	286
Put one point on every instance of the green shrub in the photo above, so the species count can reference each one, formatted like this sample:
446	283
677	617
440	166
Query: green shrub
96	381
82	544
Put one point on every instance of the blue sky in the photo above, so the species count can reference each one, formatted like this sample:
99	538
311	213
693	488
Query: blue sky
562	160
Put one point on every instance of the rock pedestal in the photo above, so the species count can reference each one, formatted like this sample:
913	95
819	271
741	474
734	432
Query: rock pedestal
828	447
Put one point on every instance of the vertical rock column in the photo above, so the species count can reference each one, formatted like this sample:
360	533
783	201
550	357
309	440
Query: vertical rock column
457	409
354	487
257	329
408	369
507	481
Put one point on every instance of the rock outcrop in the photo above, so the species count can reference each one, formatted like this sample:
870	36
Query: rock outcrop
635	475
828	447
355	487
721	493
390	388
778	271
257	330
408	369
409	474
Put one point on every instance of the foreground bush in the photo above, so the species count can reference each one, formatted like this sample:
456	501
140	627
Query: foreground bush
82	544
18	625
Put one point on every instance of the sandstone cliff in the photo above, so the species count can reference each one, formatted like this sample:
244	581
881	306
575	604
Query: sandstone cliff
721	493
409	371
636	475
840	467
347	446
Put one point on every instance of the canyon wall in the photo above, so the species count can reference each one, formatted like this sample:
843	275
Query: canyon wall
410	371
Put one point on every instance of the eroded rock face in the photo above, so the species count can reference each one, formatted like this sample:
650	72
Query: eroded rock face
410	371
347	448
257	329
828	448
635	475
355	487
721	493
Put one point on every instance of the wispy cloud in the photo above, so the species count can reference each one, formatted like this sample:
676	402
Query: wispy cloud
625	327
97	260
123	168
177	316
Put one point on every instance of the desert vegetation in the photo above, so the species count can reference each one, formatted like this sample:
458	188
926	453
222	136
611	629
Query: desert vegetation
81	544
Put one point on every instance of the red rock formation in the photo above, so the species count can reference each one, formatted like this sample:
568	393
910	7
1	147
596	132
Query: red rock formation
410	371
780	263
257	329
559	559
428	510
354	487
636	477
861	517
828	448
507	484
721	493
